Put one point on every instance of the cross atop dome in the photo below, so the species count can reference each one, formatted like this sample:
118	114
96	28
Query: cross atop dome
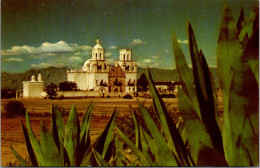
98	41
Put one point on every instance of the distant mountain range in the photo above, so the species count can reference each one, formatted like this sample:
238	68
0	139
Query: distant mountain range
58	75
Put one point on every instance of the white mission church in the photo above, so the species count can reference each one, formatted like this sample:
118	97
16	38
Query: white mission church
97	75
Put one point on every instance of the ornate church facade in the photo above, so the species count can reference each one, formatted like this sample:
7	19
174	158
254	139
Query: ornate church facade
97	75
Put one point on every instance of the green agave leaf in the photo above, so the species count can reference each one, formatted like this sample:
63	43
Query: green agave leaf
71	136
21	161
136	151
101	144
185	75
85	122
131	158
251	52
241	20
57	131
229	52
194	127
49	148
247	27
35	145
100	160
29	146
84	134
210	157
243	107
165	154
204	90
137	130
152	146
168	126
145	147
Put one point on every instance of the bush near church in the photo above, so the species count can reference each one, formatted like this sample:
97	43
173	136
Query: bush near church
68	86
14	108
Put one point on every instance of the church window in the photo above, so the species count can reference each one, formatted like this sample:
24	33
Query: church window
128	57
124	56
100	56
96	56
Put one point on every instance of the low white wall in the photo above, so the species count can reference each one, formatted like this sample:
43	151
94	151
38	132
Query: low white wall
77	93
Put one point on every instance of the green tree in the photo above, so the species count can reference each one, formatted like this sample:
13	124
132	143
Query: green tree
68	86
142	83
52	90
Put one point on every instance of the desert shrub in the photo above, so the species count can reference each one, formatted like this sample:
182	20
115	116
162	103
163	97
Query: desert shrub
14	108
68	86
128	96
52	91
8	93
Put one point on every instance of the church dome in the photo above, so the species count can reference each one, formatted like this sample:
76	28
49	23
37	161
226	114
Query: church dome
86	63
98	46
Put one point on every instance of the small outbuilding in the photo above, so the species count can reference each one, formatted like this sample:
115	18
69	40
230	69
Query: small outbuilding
33	88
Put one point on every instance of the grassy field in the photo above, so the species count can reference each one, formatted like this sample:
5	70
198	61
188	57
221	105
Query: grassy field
40	110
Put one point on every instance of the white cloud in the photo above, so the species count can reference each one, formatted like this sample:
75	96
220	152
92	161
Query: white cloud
113	47
46	47
155	57
41	65
147	61
83	47
109	54
13	59
166	51
46	65
60	46
137	42
183	41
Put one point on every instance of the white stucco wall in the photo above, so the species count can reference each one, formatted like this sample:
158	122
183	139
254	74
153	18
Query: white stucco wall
32	89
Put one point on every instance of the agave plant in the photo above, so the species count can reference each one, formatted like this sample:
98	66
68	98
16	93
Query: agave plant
201	141
237	58
67	145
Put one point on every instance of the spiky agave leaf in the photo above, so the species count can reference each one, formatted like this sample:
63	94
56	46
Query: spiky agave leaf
57	131
173	137
165	154
136	151
29	146
35	145
71	135
185	75
195	130
247	26
49	148
84	134
204	90
99	159
229	52
21	161
101	144
137	130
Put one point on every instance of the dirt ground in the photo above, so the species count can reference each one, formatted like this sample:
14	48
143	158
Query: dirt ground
39	110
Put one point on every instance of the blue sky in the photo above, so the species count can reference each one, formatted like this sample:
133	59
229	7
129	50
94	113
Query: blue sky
39	34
